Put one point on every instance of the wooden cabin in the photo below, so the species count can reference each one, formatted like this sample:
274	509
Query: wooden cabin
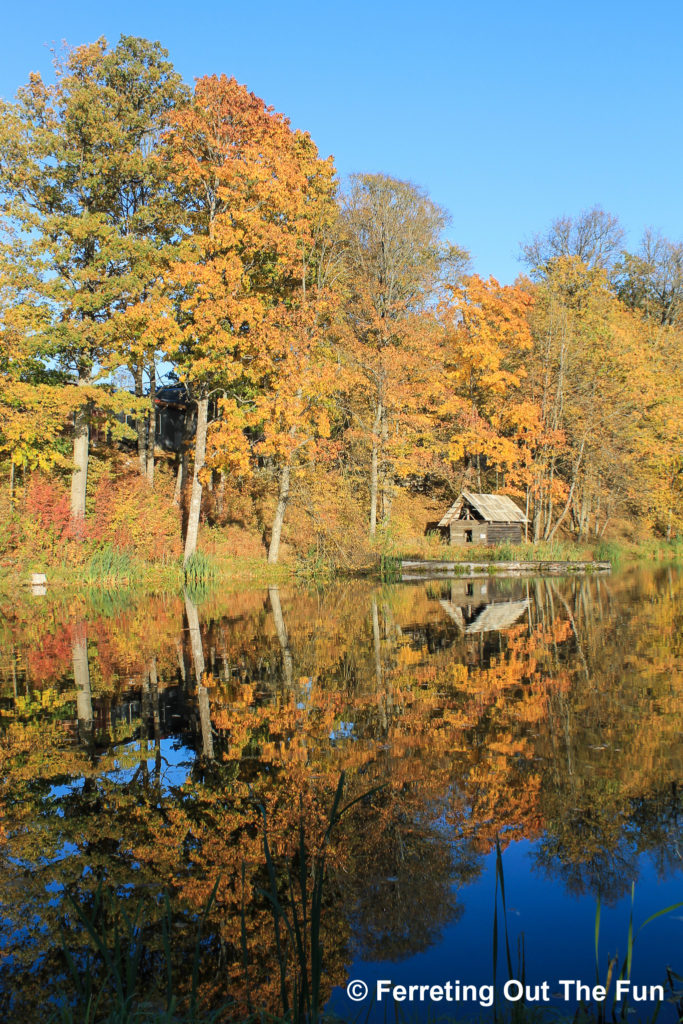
484	519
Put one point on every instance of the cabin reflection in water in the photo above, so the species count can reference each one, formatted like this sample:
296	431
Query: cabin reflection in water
482	606
143	741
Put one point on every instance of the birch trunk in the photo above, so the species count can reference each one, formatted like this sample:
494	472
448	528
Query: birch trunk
141	424
79	476
283	499
387	482
196	496
181	476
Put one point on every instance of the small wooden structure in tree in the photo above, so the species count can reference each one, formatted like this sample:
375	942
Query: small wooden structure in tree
484	519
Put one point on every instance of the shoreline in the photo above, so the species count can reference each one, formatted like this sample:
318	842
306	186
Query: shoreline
238	574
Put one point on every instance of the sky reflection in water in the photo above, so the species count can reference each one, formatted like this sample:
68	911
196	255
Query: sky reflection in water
145	742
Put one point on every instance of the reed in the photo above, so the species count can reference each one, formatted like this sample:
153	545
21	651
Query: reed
109	567
297	918
128	974
200	570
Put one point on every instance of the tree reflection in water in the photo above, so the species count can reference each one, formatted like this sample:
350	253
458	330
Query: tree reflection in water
547	710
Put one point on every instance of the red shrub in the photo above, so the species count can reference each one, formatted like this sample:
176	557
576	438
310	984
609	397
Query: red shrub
47	508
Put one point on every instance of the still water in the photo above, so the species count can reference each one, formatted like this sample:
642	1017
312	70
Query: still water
507	755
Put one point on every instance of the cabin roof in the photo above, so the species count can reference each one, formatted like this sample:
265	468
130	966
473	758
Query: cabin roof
494	508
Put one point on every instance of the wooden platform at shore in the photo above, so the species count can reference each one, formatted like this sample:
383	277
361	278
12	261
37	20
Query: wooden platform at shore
428	569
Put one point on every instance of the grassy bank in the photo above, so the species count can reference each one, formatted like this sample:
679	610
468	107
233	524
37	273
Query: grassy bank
108	567
112	569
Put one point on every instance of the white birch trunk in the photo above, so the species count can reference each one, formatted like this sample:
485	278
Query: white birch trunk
196	496
79	476
283	499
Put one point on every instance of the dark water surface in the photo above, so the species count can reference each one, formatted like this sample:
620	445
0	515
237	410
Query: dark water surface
525	732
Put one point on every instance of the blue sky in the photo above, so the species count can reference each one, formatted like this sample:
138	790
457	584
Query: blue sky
509	114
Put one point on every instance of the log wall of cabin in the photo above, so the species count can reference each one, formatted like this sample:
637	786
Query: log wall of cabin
499	533
485	533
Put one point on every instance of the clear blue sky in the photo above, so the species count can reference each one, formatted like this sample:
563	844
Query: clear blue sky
508	113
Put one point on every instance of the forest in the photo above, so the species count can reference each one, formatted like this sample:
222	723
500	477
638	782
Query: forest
338	371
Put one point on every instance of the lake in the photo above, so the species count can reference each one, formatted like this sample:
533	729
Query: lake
252	799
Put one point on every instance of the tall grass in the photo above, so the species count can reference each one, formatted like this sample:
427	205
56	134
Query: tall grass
624	969
297	916
200	570
120	979
608	551
615	969
109	566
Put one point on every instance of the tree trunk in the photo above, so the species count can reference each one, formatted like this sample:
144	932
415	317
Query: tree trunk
196	497
551	534
79	476
151	428
549	512
374	470
154	690
538	505
195	634
181	475
283	499
377	645
386	474
141	423
597	511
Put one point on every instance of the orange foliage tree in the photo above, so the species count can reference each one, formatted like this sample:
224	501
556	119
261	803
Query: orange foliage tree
244	179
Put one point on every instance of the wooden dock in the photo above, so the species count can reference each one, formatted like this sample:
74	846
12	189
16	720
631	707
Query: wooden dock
420	570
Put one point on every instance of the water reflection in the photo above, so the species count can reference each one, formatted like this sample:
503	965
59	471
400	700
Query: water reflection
146	744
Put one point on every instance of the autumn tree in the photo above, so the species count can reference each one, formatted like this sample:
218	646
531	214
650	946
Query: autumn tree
594	381
80	186
650	280
594	237
32	410
244	179
649	283
396	262
290	413
485	412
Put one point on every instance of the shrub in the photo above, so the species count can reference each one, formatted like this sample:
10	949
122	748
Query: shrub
47	512
132	517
